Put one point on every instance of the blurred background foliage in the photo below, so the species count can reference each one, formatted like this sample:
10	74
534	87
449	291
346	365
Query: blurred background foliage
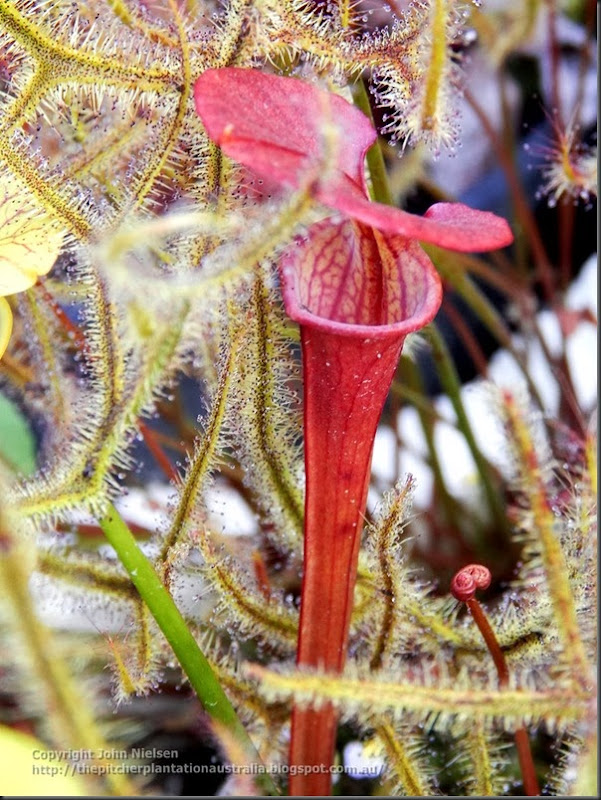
138	373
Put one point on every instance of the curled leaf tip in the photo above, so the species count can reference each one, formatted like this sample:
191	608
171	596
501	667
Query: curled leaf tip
468	580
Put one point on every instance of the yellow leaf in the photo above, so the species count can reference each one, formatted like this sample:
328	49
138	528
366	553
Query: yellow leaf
30	771
30	240
6	324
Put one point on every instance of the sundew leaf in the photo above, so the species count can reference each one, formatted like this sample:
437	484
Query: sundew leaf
17	444
30	239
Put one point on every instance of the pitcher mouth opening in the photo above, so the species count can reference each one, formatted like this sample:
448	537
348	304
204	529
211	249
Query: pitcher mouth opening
332	294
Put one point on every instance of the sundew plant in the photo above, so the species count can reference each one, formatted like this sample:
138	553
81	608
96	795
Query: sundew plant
297	440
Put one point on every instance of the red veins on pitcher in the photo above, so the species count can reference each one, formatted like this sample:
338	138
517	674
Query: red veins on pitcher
357	283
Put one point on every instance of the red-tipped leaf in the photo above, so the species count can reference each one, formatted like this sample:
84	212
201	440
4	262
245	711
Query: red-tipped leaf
275	126
453	226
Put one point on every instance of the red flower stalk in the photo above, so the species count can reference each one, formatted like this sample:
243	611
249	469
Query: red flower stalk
463	588
357	286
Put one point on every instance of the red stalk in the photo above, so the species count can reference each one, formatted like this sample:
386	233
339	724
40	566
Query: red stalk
463	588
346	383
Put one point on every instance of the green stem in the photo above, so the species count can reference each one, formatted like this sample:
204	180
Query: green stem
69	715
172	624
428	420
452	387
453	270
380	188
400	390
